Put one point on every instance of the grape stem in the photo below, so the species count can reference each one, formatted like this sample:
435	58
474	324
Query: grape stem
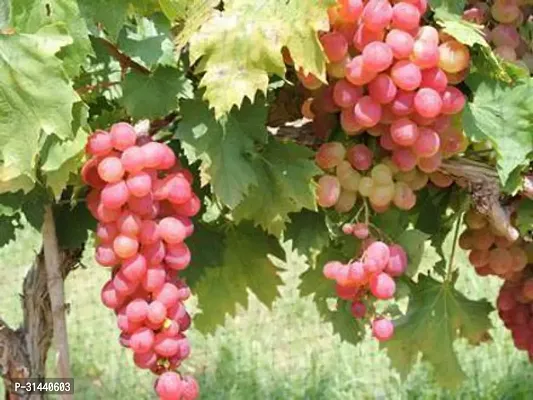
482	181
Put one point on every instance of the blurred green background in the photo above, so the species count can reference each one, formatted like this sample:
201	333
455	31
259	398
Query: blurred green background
283	353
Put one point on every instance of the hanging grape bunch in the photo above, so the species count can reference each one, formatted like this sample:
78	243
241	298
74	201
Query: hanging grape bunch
391	78
143	201
390	81
502	22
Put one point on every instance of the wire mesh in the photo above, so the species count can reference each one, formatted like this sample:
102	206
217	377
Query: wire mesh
282	353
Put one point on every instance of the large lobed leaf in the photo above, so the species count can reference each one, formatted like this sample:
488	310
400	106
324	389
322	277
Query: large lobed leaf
308	232
502	114
246	265
156	94
285	185
262	180
28	16
437	315
36	99
240	46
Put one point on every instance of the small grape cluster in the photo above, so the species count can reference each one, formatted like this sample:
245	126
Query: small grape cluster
491	253
501	20
372	274
352	172
143	202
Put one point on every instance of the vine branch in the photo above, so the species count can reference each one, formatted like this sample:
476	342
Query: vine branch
124	60
55	284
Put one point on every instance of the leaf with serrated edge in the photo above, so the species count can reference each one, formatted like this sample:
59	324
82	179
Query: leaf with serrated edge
111	14
524	216
502	114
246	265
240	46
36	97
308	232
225	146
437	315
154	95
28	16
285	176
413	242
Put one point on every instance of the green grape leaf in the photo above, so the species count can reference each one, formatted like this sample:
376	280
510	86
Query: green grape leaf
246	265
36	98
149	42
451	6
32	206
10	203
463	31
308	232
7	229
205	237
110	14
524	217
73	224
392	223
5	13
285	175
313	283
243	43
62	159
28	16
154	95
502	114
190	15
437	315
413	242
224	147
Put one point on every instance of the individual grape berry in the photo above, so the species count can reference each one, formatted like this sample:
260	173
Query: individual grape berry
335	46
330	155
346	94
358	309
377	56
379	252
453	56
434	78
428	102
125	246
404	159
360	157
401	43
360	231
99	143
405	16
123	136
382	329
406	75
427	144
110	169
347	229
348	177
346	201
382	89
357	74
367	112
382	286
377	14
404	132
403	104
328	191
363	36
453	101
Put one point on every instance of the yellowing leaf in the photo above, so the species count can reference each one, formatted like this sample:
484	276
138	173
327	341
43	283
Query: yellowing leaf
240	46
36	98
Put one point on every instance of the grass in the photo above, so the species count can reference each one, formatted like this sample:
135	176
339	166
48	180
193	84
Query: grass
283	353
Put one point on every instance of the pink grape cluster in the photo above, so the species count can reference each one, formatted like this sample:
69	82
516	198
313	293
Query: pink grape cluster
352	172
392	78
502	20
493	254
372	275
143	202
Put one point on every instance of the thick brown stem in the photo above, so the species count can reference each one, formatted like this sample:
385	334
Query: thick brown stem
484	185
56	291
